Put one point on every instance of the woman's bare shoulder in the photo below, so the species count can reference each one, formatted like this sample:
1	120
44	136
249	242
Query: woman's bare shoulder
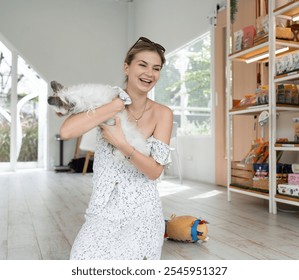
164	120
161	110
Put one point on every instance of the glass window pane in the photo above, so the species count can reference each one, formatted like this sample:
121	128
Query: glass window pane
168	89
197	122
185	87
5	94
197	75
29	88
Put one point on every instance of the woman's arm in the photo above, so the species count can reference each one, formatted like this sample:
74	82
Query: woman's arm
145	164
76	125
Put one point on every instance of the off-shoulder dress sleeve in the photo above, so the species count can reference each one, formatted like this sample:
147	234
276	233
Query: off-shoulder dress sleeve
160	151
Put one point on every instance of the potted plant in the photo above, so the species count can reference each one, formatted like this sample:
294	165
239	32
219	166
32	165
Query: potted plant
233	10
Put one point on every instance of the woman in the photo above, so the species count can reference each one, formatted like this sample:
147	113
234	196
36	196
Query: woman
124	219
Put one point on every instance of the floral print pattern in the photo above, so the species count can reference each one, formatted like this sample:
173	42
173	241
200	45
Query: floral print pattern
124	219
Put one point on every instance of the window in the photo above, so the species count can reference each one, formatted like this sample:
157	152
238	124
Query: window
22	112
5	87
30	88
185	87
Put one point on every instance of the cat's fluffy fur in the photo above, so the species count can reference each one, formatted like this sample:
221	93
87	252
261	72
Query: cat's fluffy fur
85	98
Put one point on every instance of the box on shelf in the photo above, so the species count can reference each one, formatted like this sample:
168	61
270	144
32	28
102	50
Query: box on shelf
295	168
262	26
287	63
285	33
248	36
241	174
289	190
287	94
238	40
263	183
293	179
260	179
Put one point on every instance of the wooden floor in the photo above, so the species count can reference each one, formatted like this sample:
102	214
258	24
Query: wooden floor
41	213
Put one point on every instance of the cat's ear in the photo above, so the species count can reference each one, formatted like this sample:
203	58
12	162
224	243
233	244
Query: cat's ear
56	87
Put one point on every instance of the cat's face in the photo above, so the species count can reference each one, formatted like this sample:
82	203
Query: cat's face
57	101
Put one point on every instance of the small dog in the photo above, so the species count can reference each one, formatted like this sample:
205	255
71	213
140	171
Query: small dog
86	97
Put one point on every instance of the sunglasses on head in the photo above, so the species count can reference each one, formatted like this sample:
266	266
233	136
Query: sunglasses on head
144	39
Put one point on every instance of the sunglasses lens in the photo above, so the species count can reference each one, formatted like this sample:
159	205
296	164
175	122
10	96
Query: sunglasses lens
160	47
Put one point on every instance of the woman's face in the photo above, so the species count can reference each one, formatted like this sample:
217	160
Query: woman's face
144	71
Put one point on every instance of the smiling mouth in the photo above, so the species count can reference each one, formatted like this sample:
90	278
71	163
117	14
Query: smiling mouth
145	81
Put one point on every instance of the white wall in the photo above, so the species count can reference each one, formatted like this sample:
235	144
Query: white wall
76	41
70	41
173	23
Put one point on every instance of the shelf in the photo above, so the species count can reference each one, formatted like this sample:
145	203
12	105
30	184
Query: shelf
292	77
245	54
249	192
294	46
287	107
250	52
250	110
287	199
288	10
293	147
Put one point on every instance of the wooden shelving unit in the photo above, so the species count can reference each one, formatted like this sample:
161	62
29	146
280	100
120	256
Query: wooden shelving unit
271	46
286	11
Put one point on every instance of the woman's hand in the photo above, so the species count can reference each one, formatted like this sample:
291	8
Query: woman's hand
113	134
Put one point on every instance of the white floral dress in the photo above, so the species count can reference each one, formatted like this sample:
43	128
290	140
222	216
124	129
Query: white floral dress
124	219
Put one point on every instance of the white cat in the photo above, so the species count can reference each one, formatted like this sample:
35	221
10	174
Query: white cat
86	97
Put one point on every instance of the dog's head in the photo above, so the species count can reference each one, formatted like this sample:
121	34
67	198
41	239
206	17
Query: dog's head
58	101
